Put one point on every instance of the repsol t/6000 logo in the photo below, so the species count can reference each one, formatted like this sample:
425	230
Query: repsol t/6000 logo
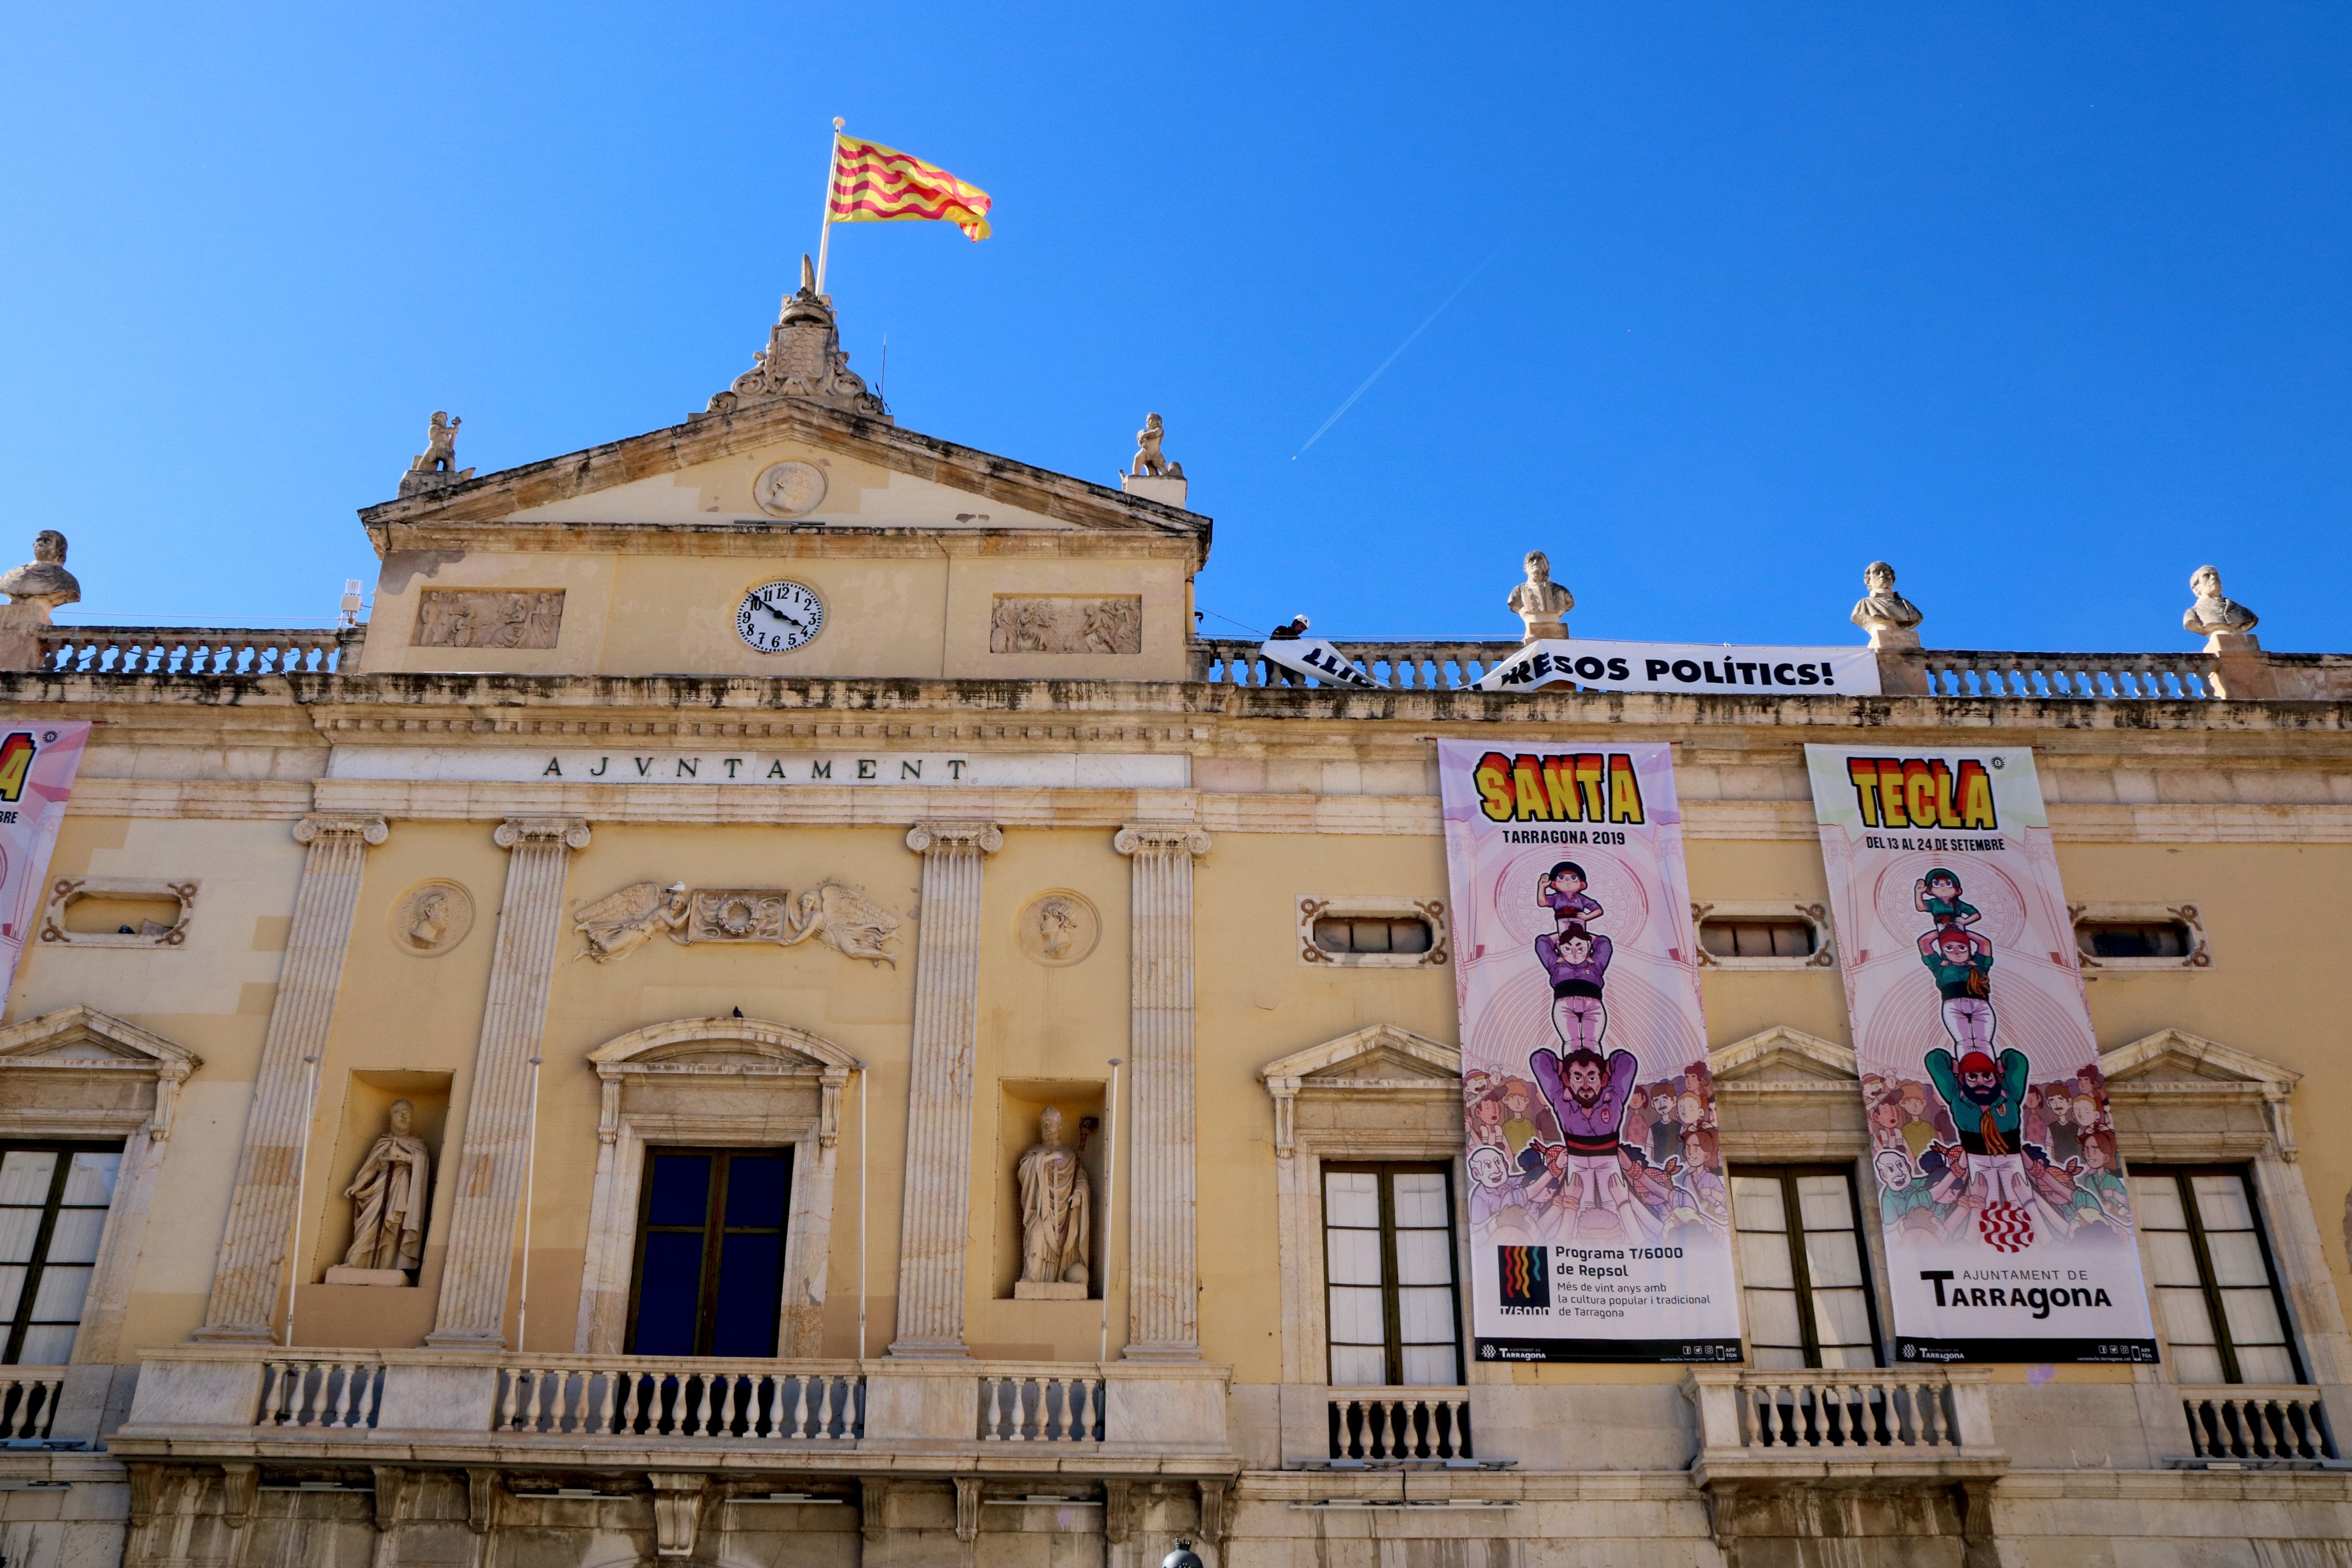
1523	1277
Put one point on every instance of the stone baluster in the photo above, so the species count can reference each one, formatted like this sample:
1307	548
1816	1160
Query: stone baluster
935	1220
475	1280
247	1278
1163	1307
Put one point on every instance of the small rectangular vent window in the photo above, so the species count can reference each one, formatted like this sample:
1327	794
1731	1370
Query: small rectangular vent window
1757	939
2135	939
1373	935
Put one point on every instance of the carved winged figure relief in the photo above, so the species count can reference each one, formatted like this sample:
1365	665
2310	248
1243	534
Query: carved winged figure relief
847	920
620	922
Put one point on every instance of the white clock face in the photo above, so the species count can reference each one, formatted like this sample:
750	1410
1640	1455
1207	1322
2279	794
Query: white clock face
777	617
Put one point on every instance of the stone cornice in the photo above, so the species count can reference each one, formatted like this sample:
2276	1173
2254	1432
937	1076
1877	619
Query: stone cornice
709	439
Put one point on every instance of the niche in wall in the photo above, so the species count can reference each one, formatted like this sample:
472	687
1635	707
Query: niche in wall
1021	1107
368	1097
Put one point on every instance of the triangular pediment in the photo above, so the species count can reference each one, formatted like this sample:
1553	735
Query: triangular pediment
2177	1056
1784	1054
1382	1053
79	1036
703	473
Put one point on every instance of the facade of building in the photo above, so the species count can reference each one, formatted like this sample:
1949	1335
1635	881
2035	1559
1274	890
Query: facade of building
775	1005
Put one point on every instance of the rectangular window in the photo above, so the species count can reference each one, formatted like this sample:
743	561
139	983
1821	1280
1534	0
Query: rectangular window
53	1200
1802	1267
710	1252
1388	1263
2210	1267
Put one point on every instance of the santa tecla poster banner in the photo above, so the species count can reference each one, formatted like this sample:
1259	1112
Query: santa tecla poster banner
1599	1226
36	777
2007	1225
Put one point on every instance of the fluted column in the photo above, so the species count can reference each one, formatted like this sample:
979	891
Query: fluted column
1163	1268
480	1259
935	1208
247	1279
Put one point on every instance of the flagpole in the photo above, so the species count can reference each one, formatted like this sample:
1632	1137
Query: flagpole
825	228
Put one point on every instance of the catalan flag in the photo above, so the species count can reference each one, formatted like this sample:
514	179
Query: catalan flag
874	184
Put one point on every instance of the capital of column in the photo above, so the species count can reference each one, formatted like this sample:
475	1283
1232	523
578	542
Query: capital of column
1162	839
928	838
322	824
570	830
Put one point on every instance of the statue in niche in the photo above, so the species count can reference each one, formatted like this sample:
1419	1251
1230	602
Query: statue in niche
388	1198
2212	614
1891	619
1541	604
1056	1210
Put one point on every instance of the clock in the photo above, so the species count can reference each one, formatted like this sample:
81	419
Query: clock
777	617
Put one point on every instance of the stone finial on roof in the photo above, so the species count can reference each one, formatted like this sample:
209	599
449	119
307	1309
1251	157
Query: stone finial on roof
43	584
1151	462
1892	620
436	468
2215	617
803	359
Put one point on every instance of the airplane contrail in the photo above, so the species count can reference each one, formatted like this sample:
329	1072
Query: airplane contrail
1400	349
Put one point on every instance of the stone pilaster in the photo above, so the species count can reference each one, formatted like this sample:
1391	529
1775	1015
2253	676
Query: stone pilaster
248	1278
935	1218
480	1259
1163	1307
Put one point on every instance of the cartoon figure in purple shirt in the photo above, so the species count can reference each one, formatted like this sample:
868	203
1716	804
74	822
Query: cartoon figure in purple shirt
1577	960
1588	1093
1562	890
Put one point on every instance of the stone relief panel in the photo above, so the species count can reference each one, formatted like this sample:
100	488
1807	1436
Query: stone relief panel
834	913
432	918
1058	928
1066	623
487	617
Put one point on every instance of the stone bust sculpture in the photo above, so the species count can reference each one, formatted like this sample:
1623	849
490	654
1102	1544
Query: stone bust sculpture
43	584
2211	615
1541	604
1891	619
1057	1208
388	1197
1151	462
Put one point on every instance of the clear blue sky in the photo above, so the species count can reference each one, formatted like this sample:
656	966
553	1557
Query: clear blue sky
2048	305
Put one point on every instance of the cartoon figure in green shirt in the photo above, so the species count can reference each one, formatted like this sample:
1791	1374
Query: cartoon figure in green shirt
1938	895
1964	976
1988	1103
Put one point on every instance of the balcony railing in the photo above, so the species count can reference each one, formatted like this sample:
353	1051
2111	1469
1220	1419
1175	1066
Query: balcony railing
28	1400
174	650
1401	1426
2269	1426
335	1398
2096	676
1756	1422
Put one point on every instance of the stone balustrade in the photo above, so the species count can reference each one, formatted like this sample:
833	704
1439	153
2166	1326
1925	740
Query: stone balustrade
189	650
486	1405
1932	1420
28	1400
2267	1425
1917	672
1399	1425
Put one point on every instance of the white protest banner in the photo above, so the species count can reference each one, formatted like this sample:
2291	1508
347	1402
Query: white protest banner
2007	1225
38	763
1685	667
1599	1223
1313	656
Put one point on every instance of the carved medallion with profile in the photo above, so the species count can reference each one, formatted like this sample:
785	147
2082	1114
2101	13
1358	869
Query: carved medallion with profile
1058	928
789	488
432	918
